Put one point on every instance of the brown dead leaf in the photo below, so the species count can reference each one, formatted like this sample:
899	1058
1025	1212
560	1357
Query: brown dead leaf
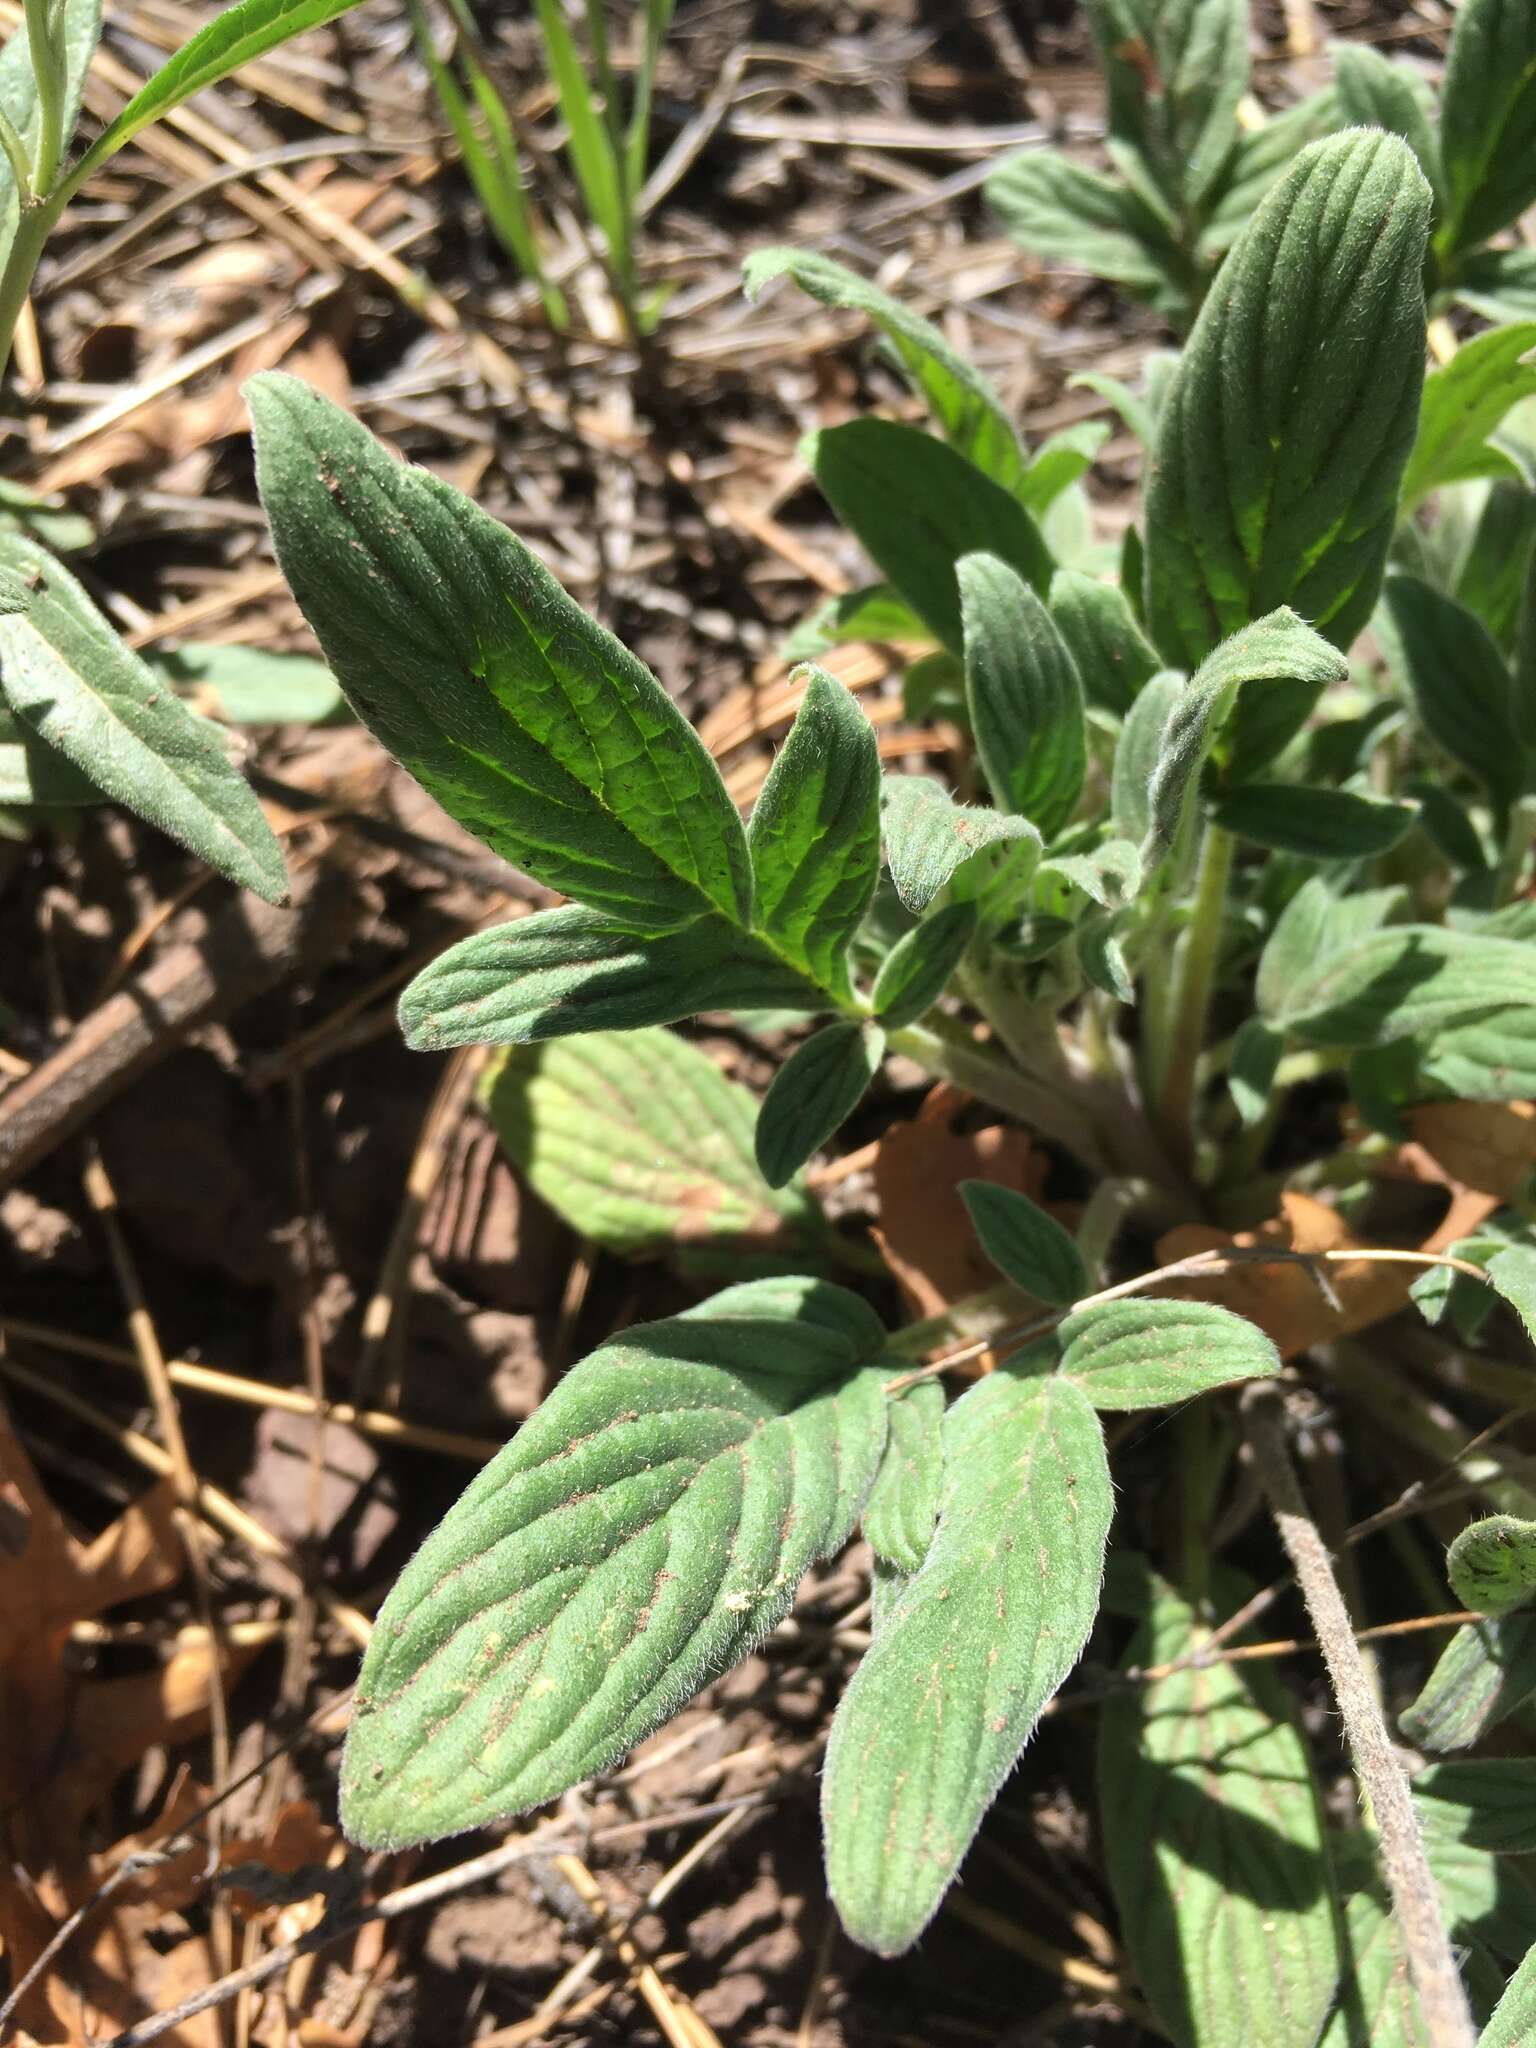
1488	1146
1285	1300
925	1231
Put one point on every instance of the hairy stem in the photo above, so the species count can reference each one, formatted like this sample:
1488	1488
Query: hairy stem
1190	999
1431	1965
1048	1110
46	47
22	258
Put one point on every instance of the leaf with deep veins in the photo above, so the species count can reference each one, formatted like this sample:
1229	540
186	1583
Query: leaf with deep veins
532	726
640	1533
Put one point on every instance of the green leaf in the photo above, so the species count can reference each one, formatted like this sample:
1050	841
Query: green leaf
1112	655
1498	283
951	1688
1110	873
929	837
874	613
1076	217
1314	924
903	1509
1058	463
1025	697
532	726
237	36
1137	752
1149	1354
1374	92
917	507
1256	1055
1278	647
1492	1564
591	147
1497	568
1261	155
1215	1845
969	413
1256	502
33	773
815	834
1317	824
1463	404
1489	1804
1488	120
639	1142
568	970
817	1088
1513	2024
1176	71
1458	679
1102	957
1027	1246
1513	1274
250	686
917	970
78	29
84	693
1485	1672
46	519
641	1532
1135	409
1407	982
1265	719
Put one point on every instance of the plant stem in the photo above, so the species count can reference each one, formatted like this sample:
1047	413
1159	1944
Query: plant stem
1048	1110
1431	1965
44	41
16	154
1190	998
21	261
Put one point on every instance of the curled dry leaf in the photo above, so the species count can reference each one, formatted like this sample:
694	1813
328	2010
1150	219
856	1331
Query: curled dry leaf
1486	1146
1285	1300
925	1230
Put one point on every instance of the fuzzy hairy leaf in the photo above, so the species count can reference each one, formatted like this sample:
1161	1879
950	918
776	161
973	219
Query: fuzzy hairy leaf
1176	71
1147	1354
929	837
237	36
1279	647
1498	283
968	411
1061	210
1488	1804
1262	155
1254	501
1409	981
79	27
1458	679
1024	693
1058	462
817	1088
527	721
643	1530
1513	1273
952	1686
815	834
917	970
1112	655
1314	924
67	676
640	1143
1256	1053
903	1507
1375	92
1027	1246
1137	753
1492	1564
917	506
250	686
1464	402
570	970
1215	1845
1513	2021
32	772
1110	874
1318	823
1488	120
873	613
1485	1672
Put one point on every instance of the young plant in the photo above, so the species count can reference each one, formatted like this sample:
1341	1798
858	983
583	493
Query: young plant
81	715
607	147
1199	876
1190	168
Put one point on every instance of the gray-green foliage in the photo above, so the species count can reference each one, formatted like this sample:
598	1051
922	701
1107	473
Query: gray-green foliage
1186	790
